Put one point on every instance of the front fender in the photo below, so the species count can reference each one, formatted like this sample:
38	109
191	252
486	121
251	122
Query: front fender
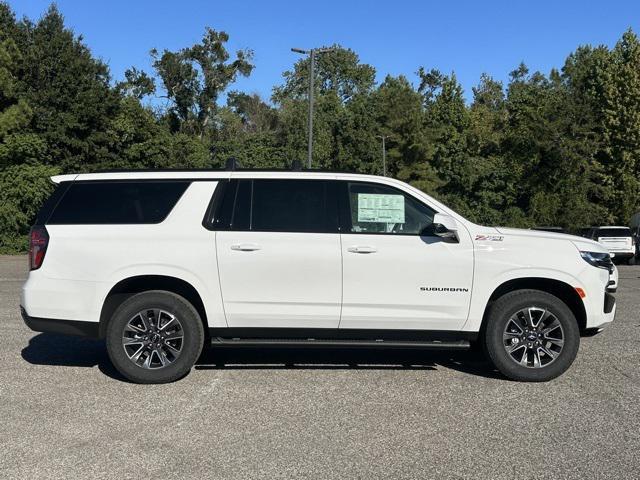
483	290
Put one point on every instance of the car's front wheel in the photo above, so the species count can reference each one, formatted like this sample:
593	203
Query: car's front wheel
531	336
154	337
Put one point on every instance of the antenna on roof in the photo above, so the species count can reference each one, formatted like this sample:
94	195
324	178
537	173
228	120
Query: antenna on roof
296	165
232	164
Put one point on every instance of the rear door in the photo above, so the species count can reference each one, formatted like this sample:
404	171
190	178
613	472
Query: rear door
278	252
394	278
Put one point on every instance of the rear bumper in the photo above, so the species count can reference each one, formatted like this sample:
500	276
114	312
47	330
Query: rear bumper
78	300
65	327
622	254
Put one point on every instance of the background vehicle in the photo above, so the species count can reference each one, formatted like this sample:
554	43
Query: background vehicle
584	232
635	230
618	240
160	263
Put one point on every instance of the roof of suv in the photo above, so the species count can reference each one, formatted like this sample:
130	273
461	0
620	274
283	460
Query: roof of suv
203	175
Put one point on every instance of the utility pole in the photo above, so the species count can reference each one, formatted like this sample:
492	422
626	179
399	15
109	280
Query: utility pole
312	55
384	153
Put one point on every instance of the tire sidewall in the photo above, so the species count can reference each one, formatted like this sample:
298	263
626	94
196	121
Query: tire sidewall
192	342
500	314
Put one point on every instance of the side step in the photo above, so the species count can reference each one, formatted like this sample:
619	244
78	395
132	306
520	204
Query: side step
313	342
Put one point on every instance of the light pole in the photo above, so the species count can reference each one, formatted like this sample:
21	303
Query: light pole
312	54
384	153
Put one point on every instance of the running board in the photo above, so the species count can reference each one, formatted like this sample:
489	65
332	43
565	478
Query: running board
313	342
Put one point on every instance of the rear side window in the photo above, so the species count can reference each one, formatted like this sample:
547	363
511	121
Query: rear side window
50	203
266	205
289	206
613	232
98	203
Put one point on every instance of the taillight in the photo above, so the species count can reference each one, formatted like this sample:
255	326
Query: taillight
38	241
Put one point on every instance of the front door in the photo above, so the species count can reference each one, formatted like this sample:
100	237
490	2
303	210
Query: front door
279	258
394	278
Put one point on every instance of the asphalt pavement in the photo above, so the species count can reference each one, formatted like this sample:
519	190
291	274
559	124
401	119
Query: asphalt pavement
327	414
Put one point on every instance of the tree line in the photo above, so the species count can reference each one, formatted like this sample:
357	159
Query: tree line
561	148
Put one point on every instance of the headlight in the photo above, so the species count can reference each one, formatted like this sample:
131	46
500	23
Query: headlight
598	259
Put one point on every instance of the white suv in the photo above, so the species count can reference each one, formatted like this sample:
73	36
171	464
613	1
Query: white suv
619	241
160	263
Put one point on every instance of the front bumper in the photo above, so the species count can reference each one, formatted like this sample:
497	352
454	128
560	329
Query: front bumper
64	327
612	286
596	322
609	303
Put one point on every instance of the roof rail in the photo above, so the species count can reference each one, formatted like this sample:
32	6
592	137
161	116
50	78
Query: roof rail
231	164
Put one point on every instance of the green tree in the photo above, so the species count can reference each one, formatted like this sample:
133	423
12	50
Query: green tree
561	148
337	70
339	80
137	84
399	115
68	91
622	126
196	76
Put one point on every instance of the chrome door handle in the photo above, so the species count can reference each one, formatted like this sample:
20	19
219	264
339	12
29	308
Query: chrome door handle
362	249
245	247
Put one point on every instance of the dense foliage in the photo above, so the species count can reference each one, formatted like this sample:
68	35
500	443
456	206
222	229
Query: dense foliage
558	149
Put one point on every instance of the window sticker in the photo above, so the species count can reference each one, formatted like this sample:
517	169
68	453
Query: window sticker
378	208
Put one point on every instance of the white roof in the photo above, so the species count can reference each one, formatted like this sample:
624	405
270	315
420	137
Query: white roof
205	175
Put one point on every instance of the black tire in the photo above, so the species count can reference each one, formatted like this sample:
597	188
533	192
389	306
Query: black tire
500	313
192	341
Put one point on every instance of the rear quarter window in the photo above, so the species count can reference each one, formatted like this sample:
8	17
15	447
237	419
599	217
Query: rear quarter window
98	203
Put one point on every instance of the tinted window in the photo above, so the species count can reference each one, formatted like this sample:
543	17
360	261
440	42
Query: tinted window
117	202
613	232
291	206
50	204
242	208
375	208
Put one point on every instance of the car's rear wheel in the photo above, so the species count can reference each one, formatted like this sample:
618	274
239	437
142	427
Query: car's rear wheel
531	336
154	337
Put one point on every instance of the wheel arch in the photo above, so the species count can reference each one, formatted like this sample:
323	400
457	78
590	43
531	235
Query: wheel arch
557	288
130	286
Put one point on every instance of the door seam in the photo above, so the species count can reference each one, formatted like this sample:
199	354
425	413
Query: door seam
341	280
215	246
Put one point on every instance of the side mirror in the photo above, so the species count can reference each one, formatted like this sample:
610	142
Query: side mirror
444	226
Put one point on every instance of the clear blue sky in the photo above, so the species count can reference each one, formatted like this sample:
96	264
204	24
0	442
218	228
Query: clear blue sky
396	37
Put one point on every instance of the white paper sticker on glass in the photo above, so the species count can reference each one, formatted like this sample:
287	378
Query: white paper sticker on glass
373	207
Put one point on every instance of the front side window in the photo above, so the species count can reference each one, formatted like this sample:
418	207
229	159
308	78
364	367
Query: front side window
375	208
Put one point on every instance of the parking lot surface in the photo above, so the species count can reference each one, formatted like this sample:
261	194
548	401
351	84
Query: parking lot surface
283	413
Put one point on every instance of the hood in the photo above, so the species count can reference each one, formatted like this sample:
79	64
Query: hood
581	243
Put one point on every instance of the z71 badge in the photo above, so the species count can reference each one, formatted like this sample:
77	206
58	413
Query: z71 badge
489	238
